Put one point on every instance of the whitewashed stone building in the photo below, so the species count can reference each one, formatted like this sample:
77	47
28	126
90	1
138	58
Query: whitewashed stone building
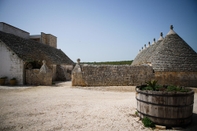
21	57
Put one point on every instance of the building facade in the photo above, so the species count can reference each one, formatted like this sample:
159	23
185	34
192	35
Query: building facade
20	57
48	39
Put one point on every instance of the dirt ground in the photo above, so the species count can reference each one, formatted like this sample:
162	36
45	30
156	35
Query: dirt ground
64	108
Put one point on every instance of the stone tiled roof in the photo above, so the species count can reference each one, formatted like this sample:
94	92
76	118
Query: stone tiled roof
153	50
140	58
170	54
174	54
145	55
29	50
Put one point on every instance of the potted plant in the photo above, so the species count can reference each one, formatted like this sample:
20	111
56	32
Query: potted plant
13	81
170	106
2	80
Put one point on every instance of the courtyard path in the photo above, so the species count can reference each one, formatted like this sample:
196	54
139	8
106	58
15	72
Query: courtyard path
64	108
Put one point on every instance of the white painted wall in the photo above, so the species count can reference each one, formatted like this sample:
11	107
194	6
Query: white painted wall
10	64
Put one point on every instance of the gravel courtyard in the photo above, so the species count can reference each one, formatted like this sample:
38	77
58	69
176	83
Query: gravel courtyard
64	108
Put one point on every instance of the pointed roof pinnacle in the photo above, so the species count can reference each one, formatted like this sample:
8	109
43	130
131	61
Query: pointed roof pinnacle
171	27
161	36
154	41
171	30
78	60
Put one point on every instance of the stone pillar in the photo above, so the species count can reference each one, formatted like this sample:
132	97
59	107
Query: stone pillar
45	74
77	77
44	69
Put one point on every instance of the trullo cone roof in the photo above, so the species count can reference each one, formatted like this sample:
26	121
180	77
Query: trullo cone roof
169	54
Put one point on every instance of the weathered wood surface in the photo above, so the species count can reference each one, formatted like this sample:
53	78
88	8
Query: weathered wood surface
166	108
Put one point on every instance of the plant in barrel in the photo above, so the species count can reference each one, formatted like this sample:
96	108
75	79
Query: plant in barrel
166	105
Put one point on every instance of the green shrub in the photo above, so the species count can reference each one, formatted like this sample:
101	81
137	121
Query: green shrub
13	78
176	88
136	113
110	63
184	90
149	88
172	88
3	77
152	85
147	122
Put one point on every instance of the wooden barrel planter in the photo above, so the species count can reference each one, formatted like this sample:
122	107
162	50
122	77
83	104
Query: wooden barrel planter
13	82
2	81
171	109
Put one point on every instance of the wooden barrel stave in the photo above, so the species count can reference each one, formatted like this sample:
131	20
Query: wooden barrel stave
166	108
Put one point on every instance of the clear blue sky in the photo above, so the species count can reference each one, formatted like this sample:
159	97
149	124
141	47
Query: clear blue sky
103	30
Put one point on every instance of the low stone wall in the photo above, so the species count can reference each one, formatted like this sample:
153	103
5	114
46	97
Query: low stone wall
125	75
63	72
188	79
34	77
111	75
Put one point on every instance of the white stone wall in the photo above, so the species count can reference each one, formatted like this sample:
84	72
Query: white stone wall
13	30
10	64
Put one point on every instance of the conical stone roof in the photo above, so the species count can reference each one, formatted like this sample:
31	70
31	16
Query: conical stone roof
145	55
140	57
171	54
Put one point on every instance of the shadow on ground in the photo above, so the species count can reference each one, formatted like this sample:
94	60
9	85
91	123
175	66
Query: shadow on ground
193	125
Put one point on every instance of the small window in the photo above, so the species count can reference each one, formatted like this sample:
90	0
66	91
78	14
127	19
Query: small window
33	65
